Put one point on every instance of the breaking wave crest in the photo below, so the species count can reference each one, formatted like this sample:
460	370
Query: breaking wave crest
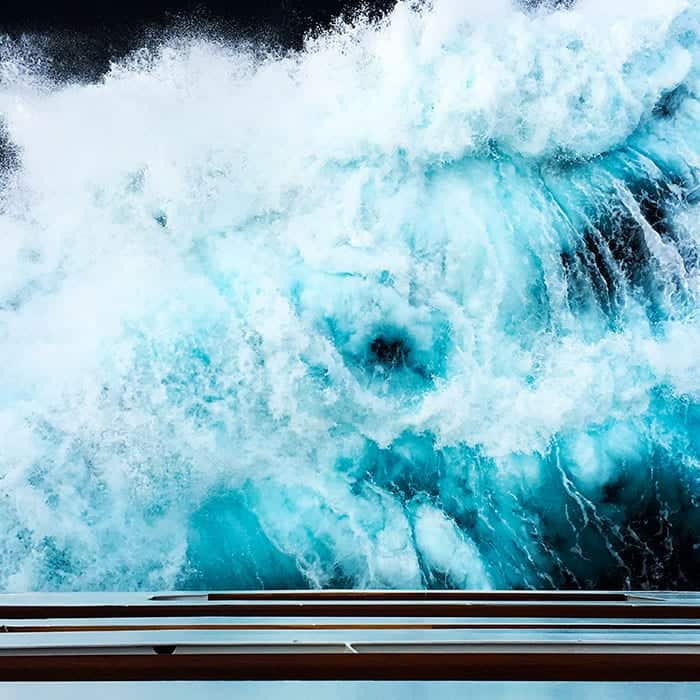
416	306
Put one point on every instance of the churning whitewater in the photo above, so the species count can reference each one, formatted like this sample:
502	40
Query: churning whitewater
415	306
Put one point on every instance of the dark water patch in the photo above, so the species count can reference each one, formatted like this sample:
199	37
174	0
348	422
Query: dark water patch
389	357
612	260
622	236
592	274
390	352
638	530
670	102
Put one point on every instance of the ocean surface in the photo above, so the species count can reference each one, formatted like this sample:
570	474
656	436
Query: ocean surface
415	306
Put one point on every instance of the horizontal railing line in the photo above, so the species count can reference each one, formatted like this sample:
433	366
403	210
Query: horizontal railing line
525	666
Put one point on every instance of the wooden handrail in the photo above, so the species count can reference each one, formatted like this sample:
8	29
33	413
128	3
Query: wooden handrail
404	667
352	635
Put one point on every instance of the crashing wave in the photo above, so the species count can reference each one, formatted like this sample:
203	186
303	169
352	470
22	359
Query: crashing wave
416	306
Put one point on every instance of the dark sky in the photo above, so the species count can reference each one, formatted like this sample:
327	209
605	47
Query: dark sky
290	16
81	36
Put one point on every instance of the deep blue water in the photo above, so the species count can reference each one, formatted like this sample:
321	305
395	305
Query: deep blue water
415	306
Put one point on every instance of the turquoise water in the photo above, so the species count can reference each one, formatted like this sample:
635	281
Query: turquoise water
416	306
418	690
